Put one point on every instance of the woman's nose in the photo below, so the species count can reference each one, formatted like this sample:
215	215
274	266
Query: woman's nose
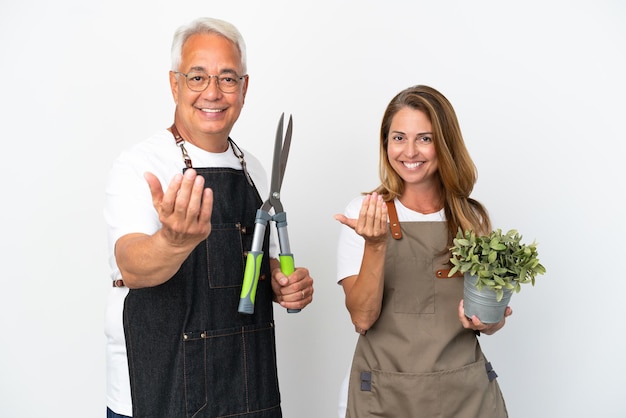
411	149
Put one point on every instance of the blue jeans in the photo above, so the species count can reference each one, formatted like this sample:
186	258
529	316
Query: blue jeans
111	414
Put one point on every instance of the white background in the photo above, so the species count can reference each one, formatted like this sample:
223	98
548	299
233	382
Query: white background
539	90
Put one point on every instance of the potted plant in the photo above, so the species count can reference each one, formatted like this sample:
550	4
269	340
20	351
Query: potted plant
494	266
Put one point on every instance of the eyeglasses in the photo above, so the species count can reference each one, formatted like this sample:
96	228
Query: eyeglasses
199	81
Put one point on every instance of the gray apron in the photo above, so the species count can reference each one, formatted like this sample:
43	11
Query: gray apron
190	352
417	360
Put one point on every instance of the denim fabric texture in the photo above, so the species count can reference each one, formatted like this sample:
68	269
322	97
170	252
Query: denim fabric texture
191	353
111	414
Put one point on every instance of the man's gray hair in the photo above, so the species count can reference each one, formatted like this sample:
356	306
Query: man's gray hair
207	25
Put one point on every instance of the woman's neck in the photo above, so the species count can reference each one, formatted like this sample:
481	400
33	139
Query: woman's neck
422	201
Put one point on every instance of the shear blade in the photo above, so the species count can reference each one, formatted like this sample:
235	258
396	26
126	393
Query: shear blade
281	153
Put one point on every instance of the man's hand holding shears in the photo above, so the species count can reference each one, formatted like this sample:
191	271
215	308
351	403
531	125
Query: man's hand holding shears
293	288
293	292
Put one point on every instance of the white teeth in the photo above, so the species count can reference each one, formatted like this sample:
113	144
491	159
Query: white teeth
412	165
211	110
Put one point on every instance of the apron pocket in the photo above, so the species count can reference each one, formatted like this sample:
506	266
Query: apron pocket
231	371
225	270
402	395
415	295
474	394
194	358
462	392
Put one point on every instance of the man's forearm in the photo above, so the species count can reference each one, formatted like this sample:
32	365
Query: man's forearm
148	260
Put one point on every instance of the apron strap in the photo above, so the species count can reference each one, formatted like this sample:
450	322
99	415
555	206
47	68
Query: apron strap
180	141
394	223
445	274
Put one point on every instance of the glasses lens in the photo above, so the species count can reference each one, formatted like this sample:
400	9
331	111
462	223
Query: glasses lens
197	81
228	83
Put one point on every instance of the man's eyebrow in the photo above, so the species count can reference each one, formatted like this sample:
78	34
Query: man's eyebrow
201	68
197	68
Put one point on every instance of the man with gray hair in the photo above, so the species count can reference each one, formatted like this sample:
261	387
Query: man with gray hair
177	254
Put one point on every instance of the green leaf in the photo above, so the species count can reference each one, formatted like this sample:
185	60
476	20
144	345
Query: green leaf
462	242
500	260
496	245
453	270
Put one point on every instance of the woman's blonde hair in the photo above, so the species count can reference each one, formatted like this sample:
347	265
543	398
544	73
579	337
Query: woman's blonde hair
457	172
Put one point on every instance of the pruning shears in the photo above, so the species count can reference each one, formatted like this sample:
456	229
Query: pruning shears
263	216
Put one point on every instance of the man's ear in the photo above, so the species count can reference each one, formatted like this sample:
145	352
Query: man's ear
245	88
174	86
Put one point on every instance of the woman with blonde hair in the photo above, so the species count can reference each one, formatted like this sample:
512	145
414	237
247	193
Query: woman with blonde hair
417	355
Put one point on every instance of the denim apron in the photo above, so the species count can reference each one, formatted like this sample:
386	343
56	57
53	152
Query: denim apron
417	360
190	353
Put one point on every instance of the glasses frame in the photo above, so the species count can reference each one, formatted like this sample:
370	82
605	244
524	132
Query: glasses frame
210	76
